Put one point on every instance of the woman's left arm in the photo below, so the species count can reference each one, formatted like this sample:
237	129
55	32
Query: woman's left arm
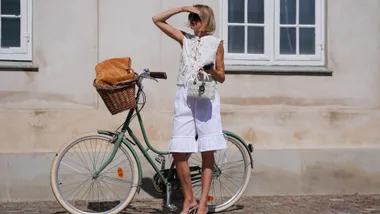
218	72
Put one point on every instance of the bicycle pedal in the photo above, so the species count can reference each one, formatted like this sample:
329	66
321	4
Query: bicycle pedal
172	207
160	159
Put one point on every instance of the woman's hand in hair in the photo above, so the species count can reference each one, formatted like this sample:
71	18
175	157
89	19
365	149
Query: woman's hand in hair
190	9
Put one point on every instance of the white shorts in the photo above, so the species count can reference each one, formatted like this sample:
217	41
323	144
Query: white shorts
196	117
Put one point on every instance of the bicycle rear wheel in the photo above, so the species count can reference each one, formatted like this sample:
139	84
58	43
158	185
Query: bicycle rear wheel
79	191
230	184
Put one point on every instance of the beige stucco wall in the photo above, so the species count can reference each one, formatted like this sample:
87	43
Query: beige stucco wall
40	111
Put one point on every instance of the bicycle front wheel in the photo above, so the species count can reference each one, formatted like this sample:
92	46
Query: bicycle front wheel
75	185
231	175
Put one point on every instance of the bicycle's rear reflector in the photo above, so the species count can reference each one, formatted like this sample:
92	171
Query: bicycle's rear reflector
210	198
120	173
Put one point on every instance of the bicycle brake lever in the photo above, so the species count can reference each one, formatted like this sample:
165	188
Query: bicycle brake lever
147	74
153	79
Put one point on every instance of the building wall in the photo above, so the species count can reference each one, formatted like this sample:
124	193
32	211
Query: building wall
319	131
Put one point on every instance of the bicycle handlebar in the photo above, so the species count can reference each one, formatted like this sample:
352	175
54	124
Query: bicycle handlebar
158	75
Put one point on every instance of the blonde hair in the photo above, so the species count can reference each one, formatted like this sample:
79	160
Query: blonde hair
207	17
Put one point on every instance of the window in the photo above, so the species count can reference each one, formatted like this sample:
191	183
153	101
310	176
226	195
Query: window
15	27
273	32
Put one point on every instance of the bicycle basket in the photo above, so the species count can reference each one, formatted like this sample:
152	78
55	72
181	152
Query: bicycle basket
119	97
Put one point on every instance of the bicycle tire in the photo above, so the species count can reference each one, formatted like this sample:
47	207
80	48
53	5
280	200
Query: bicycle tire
55	185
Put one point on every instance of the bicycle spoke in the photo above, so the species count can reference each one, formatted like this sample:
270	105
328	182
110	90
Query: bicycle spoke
88	190
114	166
224	169
70	184
79	188
110	188
94	156
102	162
101	146
115	179
86	193
101	190
227	188
96	153
97	185
213	189
74	174
198	190
109	156
198	158
89	154
220	185
73	168
230	180
84	162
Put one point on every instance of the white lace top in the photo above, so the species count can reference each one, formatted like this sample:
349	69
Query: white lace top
196	52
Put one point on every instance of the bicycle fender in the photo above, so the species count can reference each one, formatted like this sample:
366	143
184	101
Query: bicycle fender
128	144
248	147
108	133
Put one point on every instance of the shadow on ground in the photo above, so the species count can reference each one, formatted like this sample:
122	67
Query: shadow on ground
158	202
177	197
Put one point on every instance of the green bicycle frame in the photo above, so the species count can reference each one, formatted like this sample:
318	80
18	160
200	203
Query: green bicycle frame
120	138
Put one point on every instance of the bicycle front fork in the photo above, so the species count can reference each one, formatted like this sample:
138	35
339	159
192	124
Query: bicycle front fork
111	157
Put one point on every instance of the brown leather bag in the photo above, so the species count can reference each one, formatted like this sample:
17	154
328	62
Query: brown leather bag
113	71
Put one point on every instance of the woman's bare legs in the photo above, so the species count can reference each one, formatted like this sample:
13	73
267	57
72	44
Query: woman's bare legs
207	172
183	172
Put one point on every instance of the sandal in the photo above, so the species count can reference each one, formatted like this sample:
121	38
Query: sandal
191	210
206	211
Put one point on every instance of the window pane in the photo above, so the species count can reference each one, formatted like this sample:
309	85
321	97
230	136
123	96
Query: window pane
256	40
307	41
236	11
10	32
10	7
236	39
307	12
256	11
288	41
288	9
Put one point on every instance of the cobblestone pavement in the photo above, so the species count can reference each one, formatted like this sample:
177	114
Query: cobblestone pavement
349	204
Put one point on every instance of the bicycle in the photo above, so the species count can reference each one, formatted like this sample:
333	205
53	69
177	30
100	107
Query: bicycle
83	169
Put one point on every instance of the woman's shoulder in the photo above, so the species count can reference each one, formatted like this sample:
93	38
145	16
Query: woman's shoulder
213	38
213	41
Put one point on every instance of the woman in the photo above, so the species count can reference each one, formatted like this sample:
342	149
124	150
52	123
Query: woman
193	116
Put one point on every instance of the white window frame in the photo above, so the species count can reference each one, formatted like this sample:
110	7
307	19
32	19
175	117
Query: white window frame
24	53
272	54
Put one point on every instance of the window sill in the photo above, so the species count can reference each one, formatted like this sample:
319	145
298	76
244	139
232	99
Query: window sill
278	70
18	66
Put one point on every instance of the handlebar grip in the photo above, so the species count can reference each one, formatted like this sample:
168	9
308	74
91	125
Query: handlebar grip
158	75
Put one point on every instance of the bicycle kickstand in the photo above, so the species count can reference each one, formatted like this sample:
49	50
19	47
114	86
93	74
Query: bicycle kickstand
169	205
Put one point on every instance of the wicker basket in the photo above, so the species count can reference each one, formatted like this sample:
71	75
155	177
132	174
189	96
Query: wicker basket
120	97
